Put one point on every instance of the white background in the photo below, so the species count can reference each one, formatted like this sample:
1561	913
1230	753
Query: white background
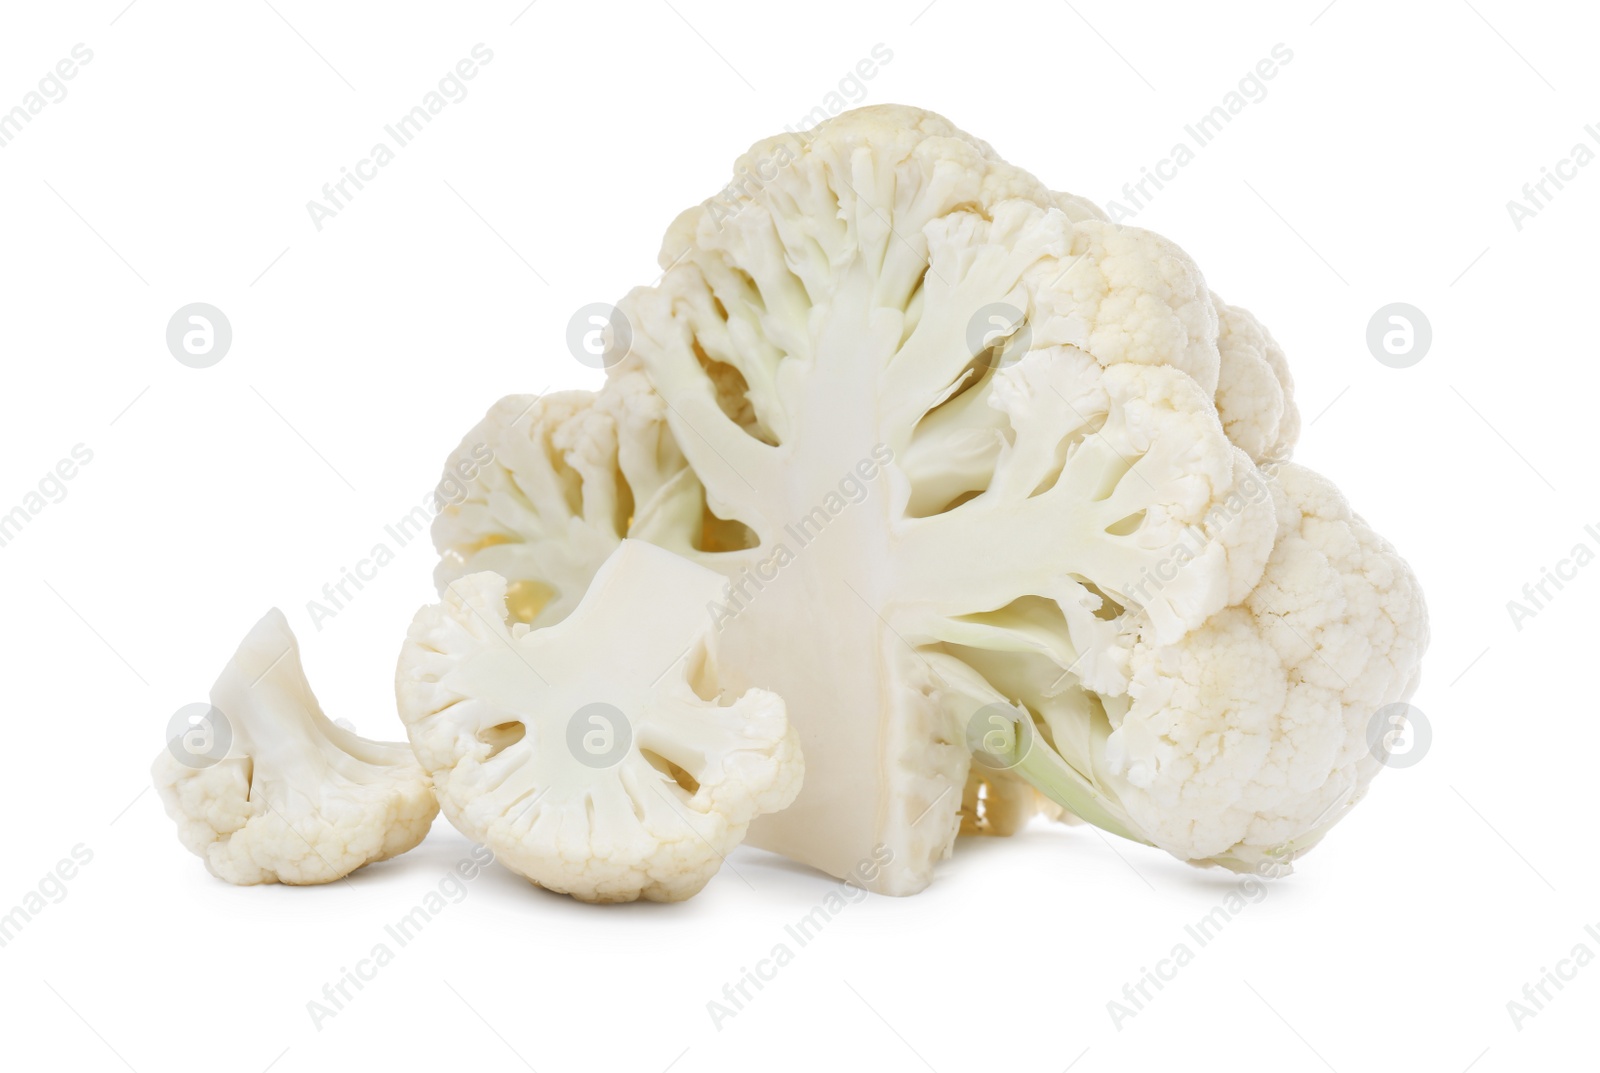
178	168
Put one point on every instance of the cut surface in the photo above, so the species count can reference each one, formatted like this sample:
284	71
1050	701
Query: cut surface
582	753
960	446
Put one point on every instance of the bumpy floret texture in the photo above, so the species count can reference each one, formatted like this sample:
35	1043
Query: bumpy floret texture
296	798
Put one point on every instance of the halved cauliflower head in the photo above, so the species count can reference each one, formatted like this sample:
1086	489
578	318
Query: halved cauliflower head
594	756
288	796
962	447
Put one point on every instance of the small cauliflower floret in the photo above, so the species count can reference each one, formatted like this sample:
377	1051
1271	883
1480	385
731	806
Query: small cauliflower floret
593	756
1255	391
296	799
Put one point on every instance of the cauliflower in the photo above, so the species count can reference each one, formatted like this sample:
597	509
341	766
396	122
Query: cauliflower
268	790
1255	393
550	507
593	756
989	477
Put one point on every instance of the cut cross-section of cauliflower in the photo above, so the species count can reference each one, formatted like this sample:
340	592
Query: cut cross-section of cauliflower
972	457
292	797
593	756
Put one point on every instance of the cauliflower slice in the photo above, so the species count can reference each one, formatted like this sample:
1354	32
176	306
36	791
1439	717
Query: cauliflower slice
592	756
296	799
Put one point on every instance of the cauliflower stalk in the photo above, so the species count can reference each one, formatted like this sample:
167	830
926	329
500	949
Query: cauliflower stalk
594	756
989	479
293	797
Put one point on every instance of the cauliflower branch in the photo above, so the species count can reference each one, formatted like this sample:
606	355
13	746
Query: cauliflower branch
296	798
593	755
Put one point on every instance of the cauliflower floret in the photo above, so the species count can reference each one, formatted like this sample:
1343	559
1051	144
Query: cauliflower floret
560	493
1255	392
593	756
1130	295
291	797
1250	735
